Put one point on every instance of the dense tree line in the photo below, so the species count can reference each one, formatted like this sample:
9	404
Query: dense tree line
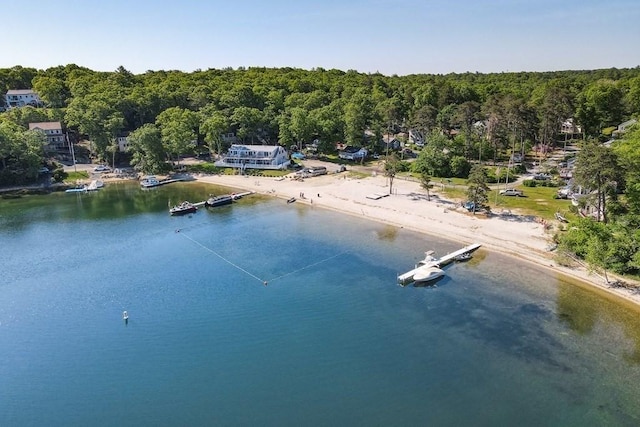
293	106
467	119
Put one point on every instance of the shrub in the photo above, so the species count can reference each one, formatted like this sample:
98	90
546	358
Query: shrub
529	183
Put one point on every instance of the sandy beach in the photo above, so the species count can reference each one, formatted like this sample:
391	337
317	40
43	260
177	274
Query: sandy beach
409	207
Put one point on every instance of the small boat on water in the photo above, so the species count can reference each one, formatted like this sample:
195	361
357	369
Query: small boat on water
183	208
427	274
125	316
291	200
214	201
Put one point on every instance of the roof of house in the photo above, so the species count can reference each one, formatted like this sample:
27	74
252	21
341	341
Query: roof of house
628	123
20	91
254	147
45	125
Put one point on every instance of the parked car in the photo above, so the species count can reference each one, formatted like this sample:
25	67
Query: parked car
43	170
542	176
102	168
511	192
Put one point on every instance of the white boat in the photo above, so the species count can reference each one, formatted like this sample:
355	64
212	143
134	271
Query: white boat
427	274
149	181
125	316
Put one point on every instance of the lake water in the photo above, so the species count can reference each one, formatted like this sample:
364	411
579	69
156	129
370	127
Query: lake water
331	340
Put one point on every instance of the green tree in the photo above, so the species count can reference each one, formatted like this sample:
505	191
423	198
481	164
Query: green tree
248	121
147	152
600	105
178	129
425	182
597	169
477	188
392	166
213	126
628	152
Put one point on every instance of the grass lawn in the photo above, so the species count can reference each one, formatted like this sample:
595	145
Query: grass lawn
76	176
538	201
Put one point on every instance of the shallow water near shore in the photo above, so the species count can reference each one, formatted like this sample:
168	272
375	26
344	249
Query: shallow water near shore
331	339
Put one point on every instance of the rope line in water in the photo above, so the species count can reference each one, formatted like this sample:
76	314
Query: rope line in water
308	266
223	258
264	282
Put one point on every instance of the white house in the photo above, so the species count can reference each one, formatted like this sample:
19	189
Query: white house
123	143
353	153
623	127
21	97
570	128
255	157
53	130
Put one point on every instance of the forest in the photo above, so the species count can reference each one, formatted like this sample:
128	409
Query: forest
467	119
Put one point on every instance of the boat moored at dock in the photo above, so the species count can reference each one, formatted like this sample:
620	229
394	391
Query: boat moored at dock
426	274
151	181
213	201
183	208
430	261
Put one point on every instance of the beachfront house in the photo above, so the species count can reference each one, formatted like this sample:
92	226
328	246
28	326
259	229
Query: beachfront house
254	157
353	153
16	98
56	139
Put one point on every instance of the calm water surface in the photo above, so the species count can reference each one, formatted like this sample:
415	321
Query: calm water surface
332	340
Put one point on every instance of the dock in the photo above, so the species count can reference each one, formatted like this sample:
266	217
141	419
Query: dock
432	261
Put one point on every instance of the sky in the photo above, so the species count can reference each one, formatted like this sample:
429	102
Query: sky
398	37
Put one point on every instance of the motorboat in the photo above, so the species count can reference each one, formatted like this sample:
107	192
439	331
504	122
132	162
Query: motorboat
149	181
183	208
429	260
214	201
125	315
291	200
427	274
463	257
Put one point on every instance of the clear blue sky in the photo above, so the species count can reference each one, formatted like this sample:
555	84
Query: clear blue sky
391	37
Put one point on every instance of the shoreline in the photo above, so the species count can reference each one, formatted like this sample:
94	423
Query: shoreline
511	234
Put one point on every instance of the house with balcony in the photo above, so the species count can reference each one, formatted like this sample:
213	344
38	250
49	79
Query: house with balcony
56	139
16	98
254	157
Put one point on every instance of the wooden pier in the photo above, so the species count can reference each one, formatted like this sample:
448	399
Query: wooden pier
431	261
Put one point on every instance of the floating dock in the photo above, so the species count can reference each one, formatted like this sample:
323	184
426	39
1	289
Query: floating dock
431	261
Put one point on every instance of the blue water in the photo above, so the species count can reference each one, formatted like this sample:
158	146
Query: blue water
331	340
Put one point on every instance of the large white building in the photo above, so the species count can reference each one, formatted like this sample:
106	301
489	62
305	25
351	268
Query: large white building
56	139
254	157
21	97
